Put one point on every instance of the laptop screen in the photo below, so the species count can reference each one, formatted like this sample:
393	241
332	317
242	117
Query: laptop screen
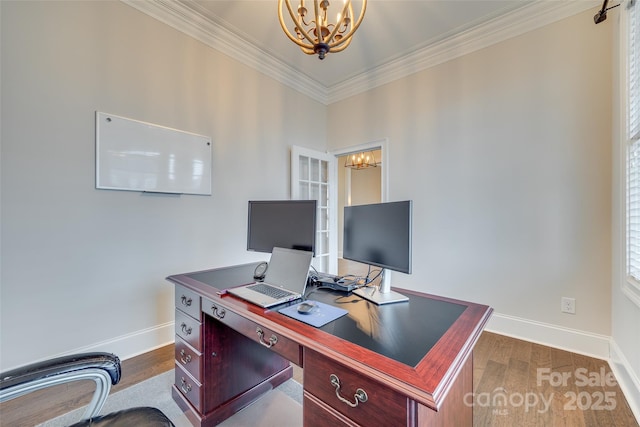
289	268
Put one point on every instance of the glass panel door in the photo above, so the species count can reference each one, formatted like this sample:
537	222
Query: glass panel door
311	173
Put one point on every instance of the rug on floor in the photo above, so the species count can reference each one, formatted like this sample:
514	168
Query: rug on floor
281	407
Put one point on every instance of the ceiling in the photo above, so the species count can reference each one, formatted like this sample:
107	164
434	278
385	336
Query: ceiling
390	29
396	37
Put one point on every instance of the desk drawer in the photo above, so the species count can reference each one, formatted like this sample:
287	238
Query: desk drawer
382	404
188	329
318	414
187	301
283	346
189	387
189	359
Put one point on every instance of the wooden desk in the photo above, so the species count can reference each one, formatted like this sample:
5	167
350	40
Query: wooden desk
413	360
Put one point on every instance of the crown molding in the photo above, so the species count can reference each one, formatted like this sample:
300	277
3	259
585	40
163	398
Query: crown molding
196	25
524	19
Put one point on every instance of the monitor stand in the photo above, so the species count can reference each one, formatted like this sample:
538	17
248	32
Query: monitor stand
384	295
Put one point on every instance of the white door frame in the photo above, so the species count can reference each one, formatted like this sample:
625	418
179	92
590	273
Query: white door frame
381	144
332	156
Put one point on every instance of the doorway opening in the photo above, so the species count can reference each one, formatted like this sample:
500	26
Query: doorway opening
358	187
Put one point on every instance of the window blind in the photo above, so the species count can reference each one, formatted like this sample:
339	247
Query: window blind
634	71
633	141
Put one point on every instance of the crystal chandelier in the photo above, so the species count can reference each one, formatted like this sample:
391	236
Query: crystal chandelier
316	33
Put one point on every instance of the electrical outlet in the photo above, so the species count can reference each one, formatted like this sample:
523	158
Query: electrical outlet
568	305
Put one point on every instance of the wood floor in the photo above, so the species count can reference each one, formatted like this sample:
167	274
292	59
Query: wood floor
519	383
516	383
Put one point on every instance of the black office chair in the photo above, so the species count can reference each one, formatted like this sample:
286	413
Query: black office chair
103	368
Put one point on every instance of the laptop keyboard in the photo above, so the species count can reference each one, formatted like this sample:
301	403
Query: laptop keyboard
271	291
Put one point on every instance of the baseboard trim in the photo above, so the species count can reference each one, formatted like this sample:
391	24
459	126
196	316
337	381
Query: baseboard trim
627	379
588	344
594	345
133	344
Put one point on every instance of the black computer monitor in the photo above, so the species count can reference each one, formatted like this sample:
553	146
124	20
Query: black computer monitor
287	224
379	235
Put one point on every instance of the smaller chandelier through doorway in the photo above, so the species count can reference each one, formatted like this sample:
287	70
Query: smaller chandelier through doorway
361	161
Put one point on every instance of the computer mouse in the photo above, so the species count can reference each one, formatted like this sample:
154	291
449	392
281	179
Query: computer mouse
306	307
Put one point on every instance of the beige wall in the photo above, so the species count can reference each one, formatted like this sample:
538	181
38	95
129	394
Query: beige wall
506	153
85	268
365	186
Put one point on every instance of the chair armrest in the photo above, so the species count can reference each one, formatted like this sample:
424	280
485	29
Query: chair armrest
102	368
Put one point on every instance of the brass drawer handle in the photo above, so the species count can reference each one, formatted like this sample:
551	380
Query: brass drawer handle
184	386
360	396
218	313
185	329
272	341
184	359
186	301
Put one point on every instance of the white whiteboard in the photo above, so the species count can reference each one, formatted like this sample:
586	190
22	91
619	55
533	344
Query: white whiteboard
138	156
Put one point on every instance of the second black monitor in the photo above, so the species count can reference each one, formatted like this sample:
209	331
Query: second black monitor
287	224
379	234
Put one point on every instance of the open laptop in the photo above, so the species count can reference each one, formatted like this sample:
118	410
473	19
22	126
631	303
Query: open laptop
285	280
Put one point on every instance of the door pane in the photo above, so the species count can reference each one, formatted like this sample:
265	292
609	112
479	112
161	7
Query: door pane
315	191
304	168
304	191
323	219
324	171
315	170
323	200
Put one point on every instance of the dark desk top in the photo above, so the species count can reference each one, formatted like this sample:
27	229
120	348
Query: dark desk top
422	341
403	331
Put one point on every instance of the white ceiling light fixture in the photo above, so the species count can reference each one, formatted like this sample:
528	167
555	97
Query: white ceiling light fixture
317	34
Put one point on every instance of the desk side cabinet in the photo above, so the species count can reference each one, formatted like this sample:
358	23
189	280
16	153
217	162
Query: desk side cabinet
219	370
188	345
